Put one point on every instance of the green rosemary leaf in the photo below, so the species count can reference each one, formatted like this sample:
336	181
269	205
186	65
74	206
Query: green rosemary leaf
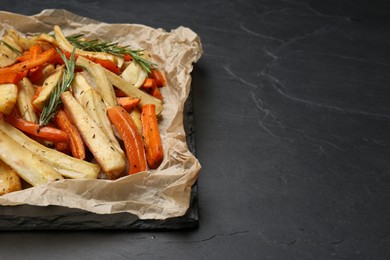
54	102
112	48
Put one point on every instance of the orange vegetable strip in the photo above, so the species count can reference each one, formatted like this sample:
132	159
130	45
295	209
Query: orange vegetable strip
128	103
155	92
35	50
151	135
56	59
119	93
35	74
16	72
149	83
44	132
38	90
150	86
159	77
33	62
108	64
63	147
127	57
25	56
10	76
76	142
132	139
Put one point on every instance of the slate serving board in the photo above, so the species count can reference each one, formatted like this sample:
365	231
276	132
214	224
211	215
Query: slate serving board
27	217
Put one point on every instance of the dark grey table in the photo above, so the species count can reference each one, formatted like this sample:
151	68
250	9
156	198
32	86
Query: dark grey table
292	120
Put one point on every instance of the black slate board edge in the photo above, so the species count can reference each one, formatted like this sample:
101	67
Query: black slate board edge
29	217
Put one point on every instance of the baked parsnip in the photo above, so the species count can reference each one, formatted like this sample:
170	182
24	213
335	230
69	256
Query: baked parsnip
48	86
9	50
132	91
66	165
26	92
103	85
93	103
29	166
8	97
134	74
9	179
111	159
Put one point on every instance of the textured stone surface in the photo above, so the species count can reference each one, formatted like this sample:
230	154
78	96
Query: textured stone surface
292	116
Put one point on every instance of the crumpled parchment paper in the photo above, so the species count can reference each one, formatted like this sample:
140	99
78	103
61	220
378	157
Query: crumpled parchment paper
156	194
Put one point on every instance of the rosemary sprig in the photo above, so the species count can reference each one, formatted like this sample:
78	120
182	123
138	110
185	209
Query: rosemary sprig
12	48
54	102
112	48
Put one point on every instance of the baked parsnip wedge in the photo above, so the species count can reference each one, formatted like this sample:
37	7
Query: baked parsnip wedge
30	166
132	91
48	86
9	179
64	164
9	50
26	92
24	43
79	86
111	159
8	97
93	104
134	74
136	116
103	85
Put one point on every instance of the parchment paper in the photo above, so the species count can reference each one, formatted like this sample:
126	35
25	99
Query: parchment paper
156	194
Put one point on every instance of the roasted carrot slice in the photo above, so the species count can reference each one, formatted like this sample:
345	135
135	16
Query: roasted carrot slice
63	147
150	86
35	50
76	142
127	57
151	134
108	64
33	61
119	93
128	103
156	93
159	77
132	139
25	56
43	132
37	91
16	72
35	74
149	83
11	76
